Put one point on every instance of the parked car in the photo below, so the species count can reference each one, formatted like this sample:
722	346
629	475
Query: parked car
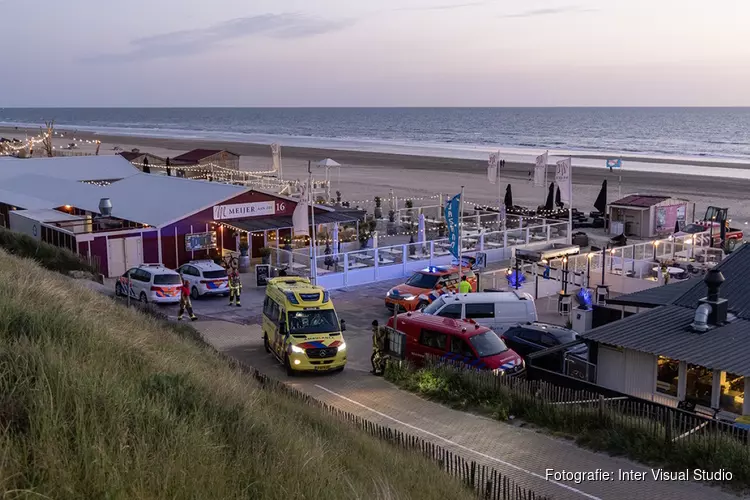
150	283
496	310
205	277
530	338
455	340
425	285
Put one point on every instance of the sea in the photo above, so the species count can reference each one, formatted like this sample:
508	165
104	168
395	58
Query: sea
709	134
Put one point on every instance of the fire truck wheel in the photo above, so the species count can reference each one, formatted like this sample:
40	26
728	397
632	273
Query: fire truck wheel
422	304
731	245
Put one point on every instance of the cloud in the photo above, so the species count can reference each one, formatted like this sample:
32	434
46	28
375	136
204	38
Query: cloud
446	7
190	42
549	11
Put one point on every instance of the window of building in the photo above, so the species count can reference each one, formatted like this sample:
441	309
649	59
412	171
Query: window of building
433	339
699	382
667	372
732	393
477	311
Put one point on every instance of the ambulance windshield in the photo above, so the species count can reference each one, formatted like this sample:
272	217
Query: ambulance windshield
315	321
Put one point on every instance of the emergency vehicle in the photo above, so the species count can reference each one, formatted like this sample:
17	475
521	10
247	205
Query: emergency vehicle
205	277
427	285
300	326
418	335
150	283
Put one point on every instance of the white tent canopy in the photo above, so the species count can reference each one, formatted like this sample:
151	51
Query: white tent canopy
328	164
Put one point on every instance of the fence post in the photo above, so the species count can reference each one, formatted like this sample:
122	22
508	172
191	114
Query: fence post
668	428
376	254
528	230
404	256
549	233
346	269
432	250
601	409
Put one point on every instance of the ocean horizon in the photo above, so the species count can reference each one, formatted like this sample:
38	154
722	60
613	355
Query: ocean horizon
707	133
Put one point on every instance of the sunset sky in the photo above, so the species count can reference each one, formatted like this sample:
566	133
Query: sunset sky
375	53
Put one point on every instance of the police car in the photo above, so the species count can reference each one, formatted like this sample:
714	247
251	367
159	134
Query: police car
150	283
205	277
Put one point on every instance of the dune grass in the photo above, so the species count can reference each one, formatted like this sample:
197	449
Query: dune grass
98	401
49	256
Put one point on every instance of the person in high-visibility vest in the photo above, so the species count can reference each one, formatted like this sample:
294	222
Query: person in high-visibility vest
464	286
235	287
185	301
378	349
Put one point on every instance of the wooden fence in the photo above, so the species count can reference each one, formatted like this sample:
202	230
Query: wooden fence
487	482
581	405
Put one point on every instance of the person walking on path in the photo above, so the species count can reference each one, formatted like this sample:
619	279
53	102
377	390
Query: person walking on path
378	349
185	301
464	286
235	287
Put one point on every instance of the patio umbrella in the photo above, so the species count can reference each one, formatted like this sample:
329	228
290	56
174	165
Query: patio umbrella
550	204
601	201
169	170
146	168
420	230
508	197
335	239
558	201
677	226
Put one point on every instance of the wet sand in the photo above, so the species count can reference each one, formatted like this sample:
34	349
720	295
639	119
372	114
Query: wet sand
368	174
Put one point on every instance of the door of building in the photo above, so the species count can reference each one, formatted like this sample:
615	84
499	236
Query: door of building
124	253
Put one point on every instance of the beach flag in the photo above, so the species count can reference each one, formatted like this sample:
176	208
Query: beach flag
452	220
541	166
562	178
492	168
276	157
614	163
300	223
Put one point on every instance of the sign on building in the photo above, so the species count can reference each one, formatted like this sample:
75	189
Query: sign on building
200	241
239	210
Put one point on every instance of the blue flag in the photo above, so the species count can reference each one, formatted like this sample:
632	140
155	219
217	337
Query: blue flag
614	163
452	218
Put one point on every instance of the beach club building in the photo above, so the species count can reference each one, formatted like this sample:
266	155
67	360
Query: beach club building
646	216
118	217
687	341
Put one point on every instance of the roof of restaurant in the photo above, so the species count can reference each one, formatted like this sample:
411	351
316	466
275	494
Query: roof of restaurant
640	200
76	168
653	297
665	330
197	155
130	155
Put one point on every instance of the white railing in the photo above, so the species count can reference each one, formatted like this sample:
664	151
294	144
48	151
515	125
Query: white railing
398	261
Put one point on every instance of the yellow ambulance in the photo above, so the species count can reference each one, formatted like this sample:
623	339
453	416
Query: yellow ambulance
300	326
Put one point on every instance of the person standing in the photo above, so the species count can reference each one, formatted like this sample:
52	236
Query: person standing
378	350
185	301
235	287
464	286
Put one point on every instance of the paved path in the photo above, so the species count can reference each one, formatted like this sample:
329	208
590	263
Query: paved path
522	454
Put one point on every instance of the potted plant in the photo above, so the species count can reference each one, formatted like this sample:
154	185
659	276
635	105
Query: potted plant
378	210
409	206
244	247
338	197
391	227
265	255
412	248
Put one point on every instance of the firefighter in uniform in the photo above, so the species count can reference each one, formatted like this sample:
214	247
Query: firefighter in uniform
185	301
378	349
235	287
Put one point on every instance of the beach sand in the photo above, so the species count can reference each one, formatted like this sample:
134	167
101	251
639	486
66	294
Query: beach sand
366	175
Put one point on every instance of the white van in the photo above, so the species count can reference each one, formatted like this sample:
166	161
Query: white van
496	310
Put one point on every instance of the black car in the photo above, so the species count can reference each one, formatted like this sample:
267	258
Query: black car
529	338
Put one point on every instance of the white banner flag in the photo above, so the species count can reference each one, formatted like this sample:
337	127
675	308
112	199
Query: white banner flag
492	168
541	166
562	178
300	222
276	157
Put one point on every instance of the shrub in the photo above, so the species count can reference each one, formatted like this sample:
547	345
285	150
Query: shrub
49	256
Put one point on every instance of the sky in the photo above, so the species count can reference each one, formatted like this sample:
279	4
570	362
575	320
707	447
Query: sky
375	53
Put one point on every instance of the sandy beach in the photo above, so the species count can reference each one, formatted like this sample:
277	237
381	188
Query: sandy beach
366	174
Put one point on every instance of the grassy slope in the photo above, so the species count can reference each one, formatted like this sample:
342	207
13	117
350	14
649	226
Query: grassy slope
97	401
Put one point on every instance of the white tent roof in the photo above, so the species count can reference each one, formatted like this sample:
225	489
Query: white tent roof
48	215
328	163
76	168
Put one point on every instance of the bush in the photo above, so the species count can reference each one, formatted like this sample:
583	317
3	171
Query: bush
609	429
49	256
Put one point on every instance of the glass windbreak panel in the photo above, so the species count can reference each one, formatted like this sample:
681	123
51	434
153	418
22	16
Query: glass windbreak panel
666	376
307	322
732	393
421	280
488	344
698	388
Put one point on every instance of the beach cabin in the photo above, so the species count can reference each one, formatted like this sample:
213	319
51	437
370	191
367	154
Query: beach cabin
646	216
206	157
